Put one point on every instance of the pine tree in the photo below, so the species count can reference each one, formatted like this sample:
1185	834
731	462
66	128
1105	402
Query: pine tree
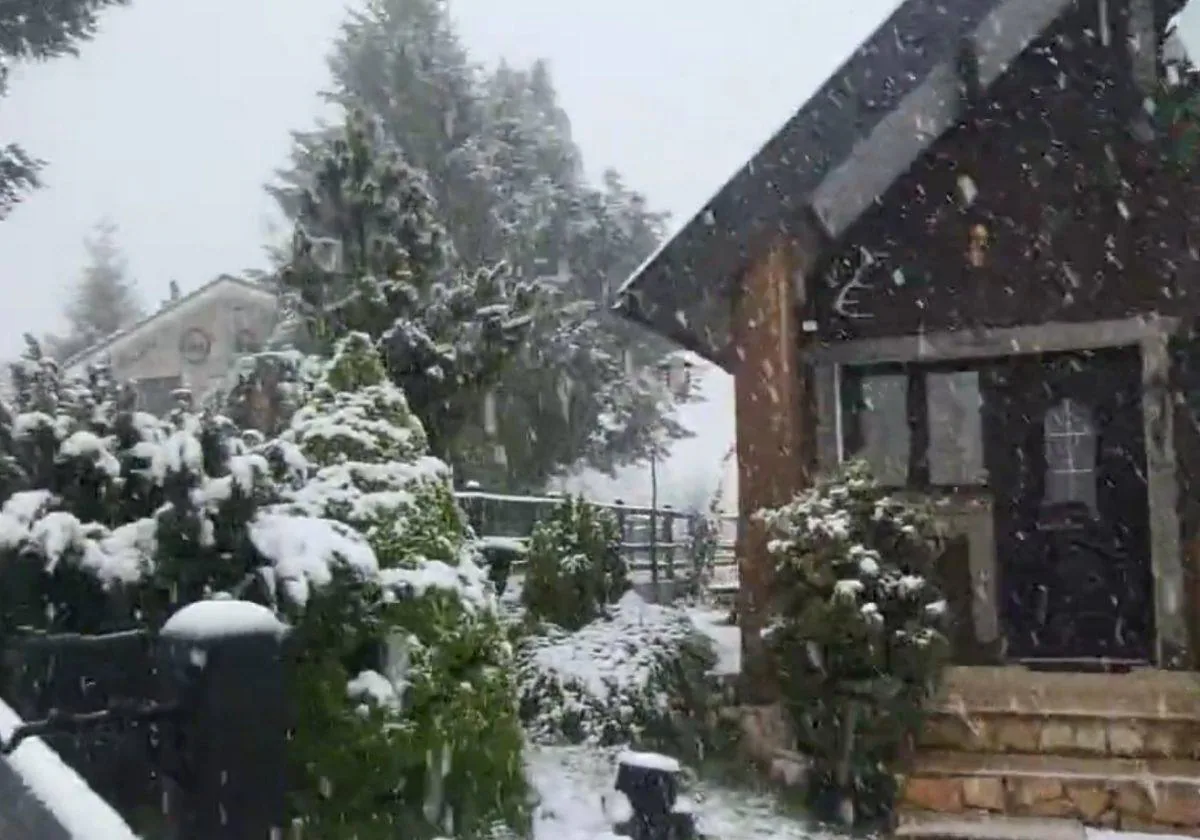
507	180
403	645
390	271
104	300
35	30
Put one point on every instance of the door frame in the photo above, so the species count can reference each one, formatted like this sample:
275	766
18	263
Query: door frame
1019	397
1150	333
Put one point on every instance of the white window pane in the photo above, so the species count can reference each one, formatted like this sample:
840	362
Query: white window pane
1070	450
883	422
955	428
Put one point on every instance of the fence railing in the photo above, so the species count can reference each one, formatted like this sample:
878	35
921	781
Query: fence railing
659	544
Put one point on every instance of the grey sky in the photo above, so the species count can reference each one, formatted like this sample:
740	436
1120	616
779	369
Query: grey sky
178	112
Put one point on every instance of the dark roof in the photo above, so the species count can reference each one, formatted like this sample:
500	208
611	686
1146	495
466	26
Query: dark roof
895	95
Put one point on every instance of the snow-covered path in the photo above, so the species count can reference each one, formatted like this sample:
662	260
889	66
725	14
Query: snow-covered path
574	782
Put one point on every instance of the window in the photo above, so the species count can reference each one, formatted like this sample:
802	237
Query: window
955	428
156	395
1070	448
915	426
884	436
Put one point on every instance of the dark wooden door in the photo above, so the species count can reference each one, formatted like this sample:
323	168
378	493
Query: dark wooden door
1066	461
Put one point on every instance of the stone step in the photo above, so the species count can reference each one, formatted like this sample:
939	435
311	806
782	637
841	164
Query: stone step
1140	693
1142	714
1096	736
1130	794
930	826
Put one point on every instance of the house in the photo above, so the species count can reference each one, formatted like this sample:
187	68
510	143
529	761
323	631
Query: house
191	342
969	259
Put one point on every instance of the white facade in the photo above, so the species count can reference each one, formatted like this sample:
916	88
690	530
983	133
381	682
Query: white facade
190	343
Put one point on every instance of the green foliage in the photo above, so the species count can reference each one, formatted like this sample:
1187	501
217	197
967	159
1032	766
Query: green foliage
575	568
103	301
406	708
33	30
433	741
508	183
638	675
388	270
858	640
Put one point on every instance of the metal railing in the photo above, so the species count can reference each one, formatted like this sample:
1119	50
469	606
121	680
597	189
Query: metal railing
658	545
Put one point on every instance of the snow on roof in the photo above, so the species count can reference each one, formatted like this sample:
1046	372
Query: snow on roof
222	617
834	156
82	814
174	307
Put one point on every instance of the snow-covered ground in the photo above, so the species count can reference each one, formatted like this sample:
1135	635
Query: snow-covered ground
575	785
578	802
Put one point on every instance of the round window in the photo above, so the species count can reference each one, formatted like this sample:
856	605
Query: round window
195	346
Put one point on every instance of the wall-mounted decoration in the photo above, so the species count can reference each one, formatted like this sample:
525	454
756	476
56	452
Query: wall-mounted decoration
848	295
195	346
977	245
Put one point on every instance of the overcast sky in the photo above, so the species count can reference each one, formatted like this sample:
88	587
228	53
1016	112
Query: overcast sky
177	113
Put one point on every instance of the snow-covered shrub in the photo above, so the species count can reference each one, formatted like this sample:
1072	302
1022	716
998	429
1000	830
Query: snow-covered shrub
637	675
857	637
110	516
416	730
574	565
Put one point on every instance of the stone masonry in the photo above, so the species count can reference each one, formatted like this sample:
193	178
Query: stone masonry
1119	751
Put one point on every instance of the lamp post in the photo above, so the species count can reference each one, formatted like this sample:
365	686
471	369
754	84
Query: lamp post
674	375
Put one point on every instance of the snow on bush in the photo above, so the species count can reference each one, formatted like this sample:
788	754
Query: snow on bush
111	518
575	568
637	675
857	638
417	732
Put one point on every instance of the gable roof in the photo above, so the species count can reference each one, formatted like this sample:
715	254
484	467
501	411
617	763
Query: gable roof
143	326
885	106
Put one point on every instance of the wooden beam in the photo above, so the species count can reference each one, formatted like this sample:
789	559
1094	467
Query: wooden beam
776	444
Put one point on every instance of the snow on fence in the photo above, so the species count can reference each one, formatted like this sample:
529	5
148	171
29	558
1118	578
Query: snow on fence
659	544
44	799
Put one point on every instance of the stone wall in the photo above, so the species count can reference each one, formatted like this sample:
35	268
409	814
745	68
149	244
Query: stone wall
1112	750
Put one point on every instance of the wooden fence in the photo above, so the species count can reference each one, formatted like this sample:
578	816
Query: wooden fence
660	545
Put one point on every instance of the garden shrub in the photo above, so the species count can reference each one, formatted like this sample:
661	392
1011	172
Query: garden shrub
574	567
639	675
412	669
857	638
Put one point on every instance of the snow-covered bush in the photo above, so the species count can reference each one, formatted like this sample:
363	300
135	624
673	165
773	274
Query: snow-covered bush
407	716
857	637
112	517
574	565
416	732
638	675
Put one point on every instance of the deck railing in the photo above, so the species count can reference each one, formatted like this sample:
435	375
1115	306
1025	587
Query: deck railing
659	545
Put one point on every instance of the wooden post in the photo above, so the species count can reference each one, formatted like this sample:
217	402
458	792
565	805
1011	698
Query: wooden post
775	436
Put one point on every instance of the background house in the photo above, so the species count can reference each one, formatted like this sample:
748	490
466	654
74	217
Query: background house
191	342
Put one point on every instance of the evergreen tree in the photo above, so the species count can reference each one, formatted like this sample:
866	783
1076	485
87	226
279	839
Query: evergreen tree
103	301
36	30
415	755
507	180
390	271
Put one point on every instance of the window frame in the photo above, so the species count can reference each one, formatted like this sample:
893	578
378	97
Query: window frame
850	409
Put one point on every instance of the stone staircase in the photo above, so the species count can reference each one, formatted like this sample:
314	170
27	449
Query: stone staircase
1010	753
